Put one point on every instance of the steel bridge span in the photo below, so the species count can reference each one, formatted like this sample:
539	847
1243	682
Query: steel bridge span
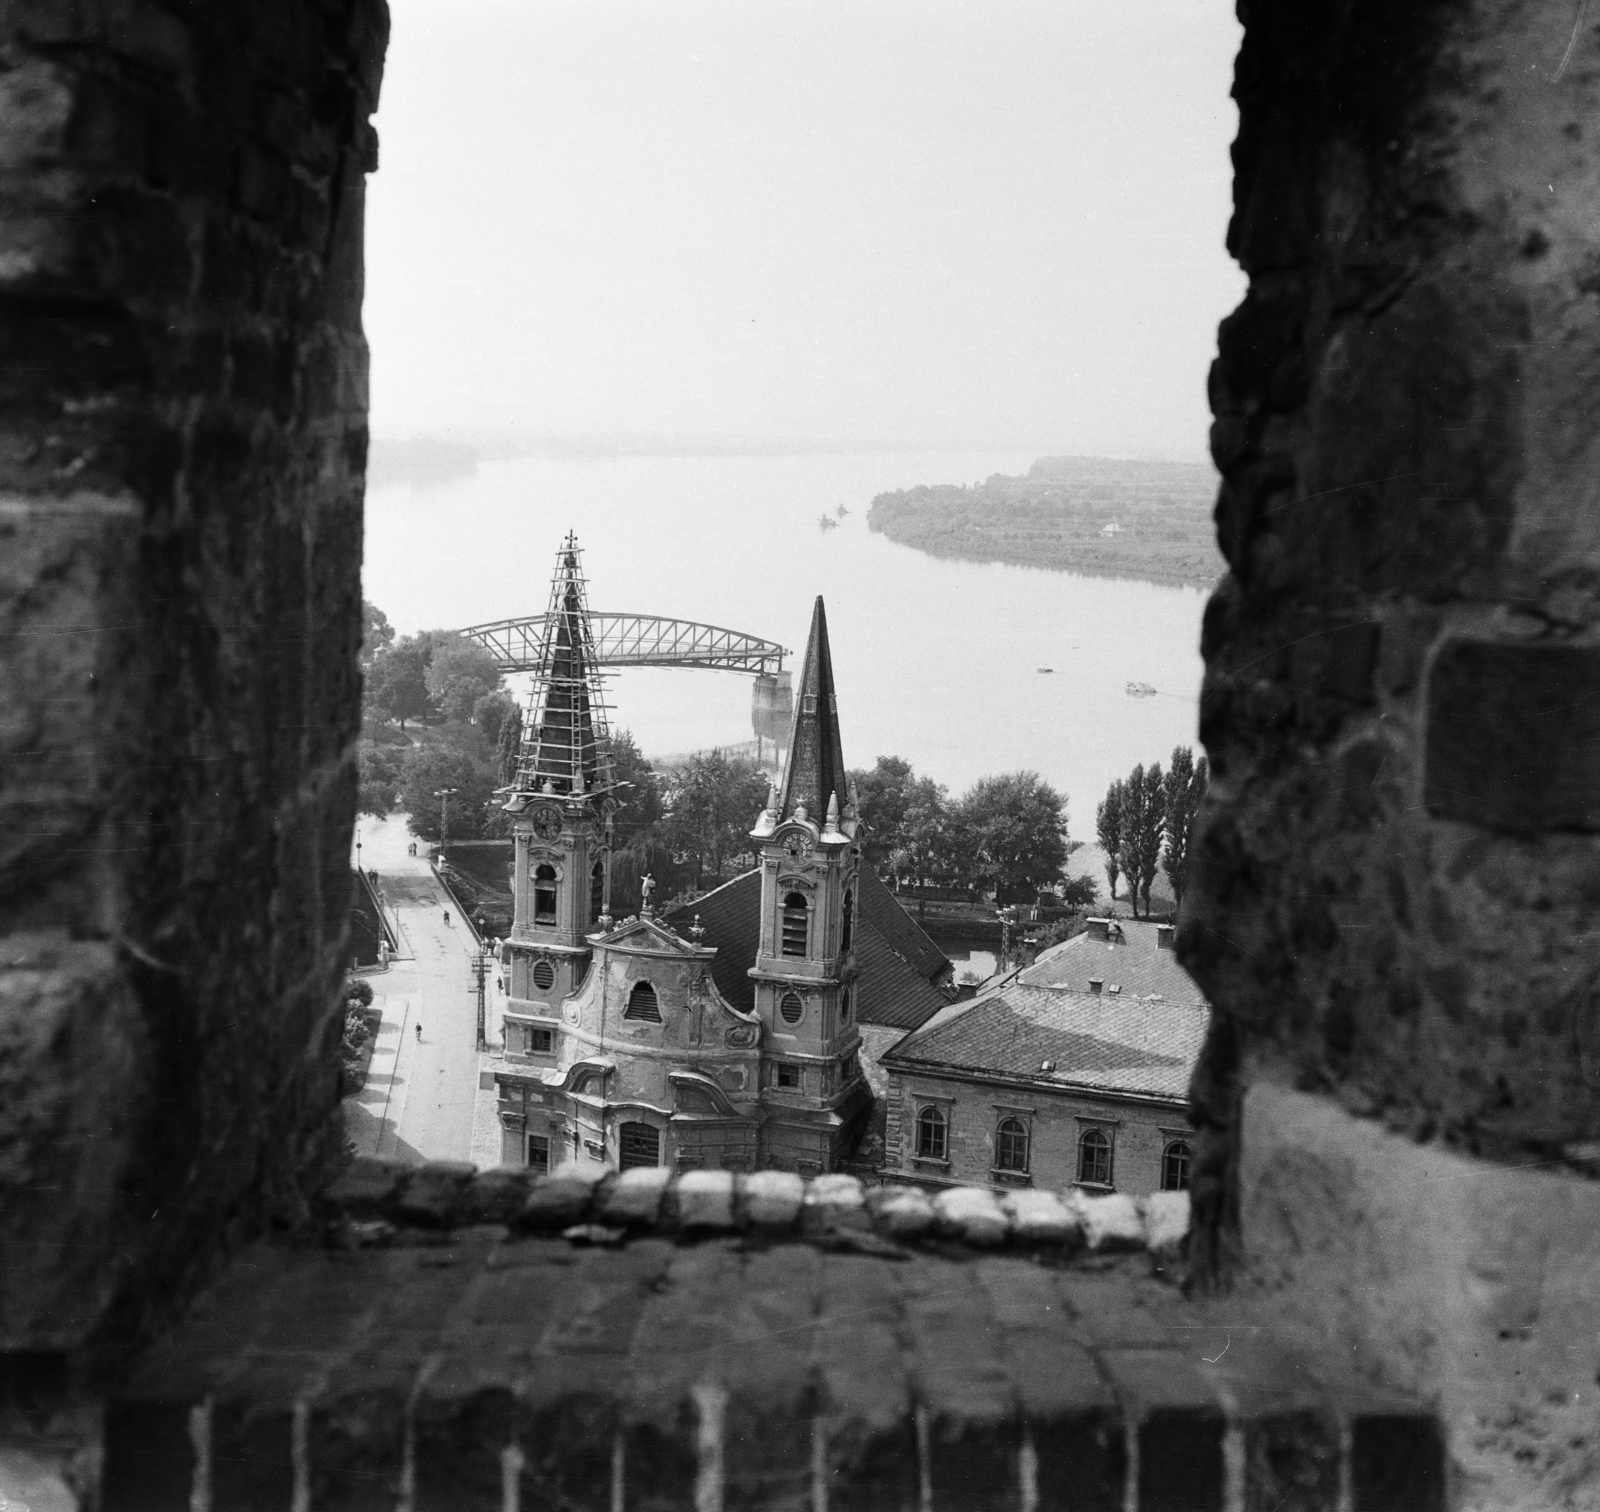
649	640
635	640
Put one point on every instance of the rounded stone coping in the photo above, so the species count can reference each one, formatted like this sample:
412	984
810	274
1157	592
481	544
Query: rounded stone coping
605	1207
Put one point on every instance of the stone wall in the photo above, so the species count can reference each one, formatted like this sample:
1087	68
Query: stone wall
182	446
1397	907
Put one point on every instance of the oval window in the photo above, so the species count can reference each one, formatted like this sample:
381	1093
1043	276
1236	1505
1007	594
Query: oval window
544	975
791	1008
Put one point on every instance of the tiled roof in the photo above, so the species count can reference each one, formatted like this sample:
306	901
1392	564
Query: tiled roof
1112	1044
897	961
1135	964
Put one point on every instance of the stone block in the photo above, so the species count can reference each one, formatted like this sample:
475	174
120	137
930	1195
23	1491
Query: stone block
634	1199
433	1195
834	1202
771	1200
902	1212
973	1215
704	1200
559	1201
1042	1218
496	1196
1512	731
1166	1221
1111	1223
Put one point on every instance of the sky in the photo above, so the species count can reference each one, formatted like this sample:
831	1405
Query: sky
934	223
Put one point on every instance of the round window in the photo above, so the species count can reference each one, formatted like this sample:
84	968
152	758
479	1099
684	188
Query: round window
791	1007
544	975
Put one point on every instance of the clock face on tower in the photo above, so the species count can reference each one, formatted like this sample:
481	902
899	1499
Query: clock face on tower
798	847
547	822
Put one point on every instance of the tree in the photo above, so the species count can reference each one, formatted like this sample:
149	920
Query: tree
1108	829
1014	827
464	764
882	795
714	801
491	712
459	673
377	634
379	778
397	682
925	838
638	789
508	746
1080	892
1139	843
1185	788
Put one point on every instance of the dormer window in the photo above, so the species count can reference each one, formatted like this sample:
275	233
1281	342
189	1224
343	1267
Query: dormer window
794	924
643	1004
544	894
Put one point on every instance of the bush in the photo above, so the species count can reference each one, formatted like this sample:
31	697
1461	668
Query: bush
358	990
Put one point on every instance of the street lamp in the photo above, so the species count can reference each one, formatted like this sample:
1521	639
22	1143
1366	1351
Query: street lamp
444	795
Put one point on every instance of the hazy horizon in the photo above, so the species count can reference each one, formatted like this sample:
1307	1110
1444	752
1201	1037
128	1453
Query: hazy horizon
868	226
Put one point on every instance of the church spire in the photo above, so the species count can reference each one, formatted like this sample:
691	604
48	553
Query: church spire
814	774
565	747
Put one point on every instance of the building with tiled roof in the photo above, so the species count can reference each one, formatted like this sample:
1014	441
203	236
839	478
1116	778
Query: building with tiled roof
1074	1070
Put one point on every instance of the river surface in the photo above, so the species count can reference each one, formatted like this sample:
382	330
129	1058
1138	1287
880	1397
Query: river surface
936	661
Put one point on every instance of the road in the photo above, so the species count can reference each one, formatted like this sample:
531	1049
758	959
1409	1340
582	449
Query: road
419	1096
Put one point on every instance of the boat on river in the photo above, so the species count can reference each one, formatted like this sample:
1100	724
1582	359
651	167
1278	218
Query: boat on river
829	524
1141	690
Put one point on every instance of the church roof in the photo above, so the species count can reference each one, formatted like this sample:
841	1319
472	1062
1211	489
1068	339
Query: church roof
898	962
815	769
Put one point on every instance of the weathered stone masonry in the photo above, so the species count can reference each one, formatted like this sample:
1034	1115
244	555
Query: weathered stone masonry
182	445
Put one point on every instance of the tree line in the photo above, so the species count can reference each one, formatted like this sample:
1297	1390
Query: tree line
1145	820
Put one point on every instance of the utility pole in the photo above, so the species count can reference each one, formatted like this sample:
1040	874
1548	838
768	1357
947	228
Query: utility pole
444	795
480	970
1008	916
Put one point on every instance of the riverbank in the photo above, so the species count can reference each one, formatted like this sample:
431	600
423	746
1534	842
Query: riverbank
1094	516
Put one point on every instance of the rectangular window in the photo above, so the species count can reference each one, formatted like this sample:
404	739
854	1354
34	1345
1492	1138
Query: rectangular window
538	1154
541	1041
786	1075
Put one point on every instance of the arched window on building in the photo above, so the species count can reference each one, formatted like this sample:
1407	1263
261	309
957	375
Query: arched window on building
791	1007
931	1134
643	1004
1094	1158
795	919
638	1144
1175	1166
1011	1145
544	894
845	1005
544	975
847	930
597	891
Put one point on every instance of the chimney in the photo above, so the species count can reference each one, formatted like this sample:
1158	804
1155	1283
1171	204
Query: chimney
1095	984
1164	934
1098	928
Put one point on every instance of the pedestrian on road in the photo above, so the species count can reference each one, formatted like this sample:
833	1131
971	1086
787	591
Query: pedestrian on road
447	916
419	1031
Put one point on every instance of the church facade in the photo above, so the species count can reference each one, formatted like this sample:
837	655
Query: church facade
618	1047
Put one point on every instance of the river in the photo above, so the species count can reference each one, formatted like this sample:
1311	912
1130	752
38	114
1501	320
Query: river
936	661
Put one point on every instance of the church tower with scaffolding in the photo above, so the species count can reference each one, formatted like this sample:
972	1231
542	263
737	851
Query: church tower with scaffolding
562	802
805	968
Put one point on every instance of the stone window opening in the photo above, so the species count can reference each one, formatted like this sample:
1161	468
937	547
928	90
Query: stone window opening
1175	1166
544	975
541	1041
792	1008
643	1003
1094	1158
795	924
786	1074
544	894
1011	1145
931	1131
638	1144
597	890
847	927
844	1005
539	1154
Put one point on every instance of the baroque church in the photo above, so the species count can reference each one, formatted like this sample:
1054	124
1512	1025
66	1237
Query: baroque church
728	1034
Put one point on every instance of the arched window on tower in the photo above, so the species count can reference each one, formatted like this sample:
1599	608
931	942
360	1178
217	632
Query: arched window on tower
544	894
597	890
847	929
795	919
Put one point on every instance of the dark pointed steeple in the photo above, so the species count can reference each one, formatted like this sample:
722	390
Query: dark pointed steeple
814	772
